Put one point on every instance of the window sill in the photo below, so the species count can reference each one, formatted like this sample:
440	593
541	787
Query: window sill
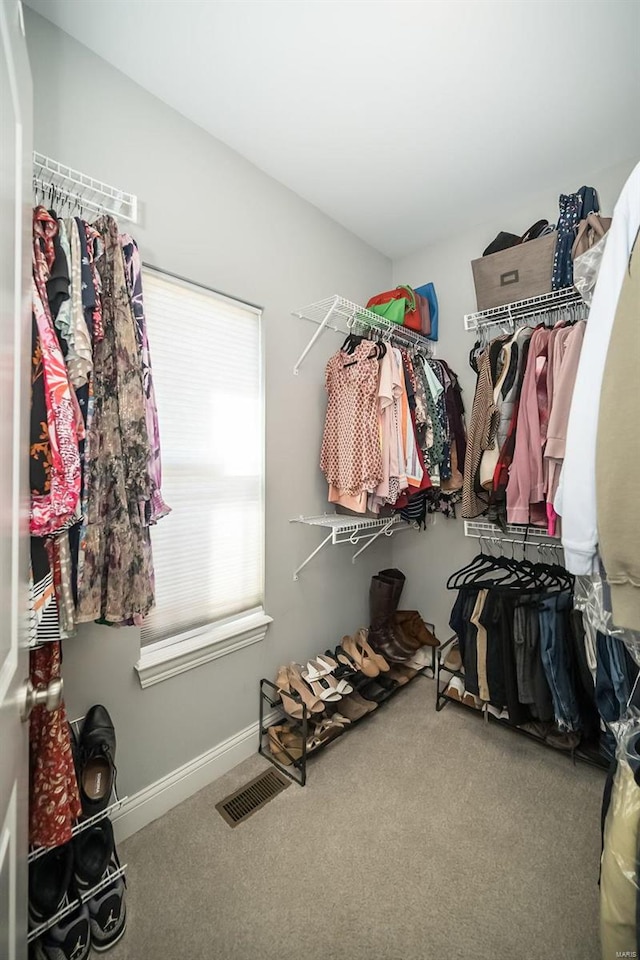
166	659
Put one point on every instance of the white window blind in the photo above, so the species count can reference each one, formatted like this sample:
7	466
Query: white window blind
208	552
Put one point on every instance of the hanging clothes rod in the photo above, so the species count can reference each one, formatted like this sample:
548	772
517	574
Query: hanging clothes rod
55	182
521	311
516	534
344	316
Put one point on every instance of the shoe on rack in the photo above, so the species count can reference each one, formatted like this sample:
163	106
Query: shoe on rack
415	630
453	659
421	658
361	639
357	697
108	912
365	663
325	688
399	676
49	881
325	667
289	681
92	852
384	594
285	744
494	711
324	732
563	739
353	710
472	701
375	691
455	689
70	939
97	753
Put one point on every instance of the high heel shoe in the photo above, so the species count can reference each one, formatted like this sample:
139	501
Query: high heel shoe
346	662
359	655
325	688
324	667
285	744
296	682
362	639
287	683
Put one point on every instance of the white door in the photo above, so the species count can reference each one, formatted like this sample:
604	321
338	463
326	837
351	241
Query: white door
15	350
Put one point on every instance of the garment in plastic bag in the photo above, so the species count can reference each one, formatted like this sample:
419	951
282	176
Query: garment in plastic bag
586	268
590	596
619	888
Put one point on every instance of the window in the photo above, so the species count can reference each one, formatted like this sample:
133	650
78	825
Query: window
209	551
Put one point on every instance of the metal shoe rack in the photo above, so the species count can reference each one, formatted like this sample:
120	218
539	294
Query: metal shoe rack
584	753
271	712
75	901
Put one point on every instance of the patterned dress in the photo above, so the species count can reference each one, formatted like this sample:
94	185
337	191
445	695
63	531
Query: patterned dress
115	567
54	479
351	456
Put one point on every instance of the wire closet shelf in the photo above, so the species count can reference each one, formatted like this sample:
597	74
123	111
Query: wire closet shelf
513	533
551	305
348	529
344	316
57	184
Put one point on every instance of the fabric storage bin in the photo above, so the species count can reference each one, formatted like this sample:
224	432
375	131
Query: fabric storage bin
514	274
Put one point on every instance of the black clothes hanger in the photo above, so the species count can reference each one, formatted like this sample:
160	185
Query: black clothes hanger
351	342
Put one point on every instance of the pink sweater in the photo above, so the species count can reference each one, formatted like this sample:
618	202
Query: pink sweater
526	477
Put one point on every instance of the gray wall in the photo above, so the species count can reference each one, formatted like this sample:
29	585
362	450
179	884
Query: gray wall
212	217
429	558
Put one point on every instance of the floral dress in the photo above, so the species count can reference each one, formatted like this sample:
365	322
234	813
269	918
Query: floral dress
115	575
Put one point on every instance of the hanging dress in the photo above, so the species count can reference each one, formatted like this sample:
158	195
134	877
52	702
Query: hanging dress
351	455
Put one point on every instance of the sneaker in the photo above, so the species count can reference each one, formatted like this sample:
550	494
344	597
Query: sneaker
108	913
92	851
68	940
49	880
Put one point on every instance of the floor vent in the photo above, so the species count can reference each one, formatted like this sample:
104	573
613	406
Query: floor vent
239	805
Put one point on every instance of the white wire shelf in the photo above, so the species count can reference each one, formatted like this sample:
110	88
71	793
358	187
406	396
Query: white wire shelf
344	316
347	529
522	310
523	534
36	852
56	180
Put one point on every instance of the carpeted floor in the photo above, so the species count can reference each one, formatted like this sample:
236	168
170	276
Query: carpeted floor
420	836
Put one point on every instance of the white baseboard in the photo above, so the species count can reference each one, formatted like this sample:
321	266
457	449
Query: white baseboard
158	798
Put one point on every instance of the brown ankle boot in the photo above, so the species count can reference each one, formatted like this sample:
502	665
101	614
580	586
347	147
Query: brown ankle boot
415	629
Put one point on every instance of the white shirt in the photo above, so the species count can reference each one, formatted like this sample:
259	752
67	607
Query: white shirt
576	497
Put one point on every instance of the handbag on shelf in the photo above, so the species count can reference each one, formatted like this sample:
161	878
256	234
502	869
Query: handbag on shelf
425	315
428	292
391	305
399	306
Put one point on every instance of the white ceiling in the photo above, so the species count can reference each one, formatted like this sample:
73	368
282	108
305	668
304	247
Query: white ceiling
401	120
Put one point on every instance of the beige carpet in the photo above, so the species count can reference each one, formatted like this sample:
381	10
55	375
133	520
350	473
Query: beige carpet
420	836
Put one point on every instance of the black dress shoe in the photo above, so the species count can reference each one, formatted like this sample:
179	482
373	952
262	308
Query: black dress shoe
92	851
97	750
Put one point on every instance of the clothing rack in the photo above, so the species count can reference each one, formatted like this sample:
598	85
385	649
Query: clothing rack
443	675
344	316
548	305
517	534
56	184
